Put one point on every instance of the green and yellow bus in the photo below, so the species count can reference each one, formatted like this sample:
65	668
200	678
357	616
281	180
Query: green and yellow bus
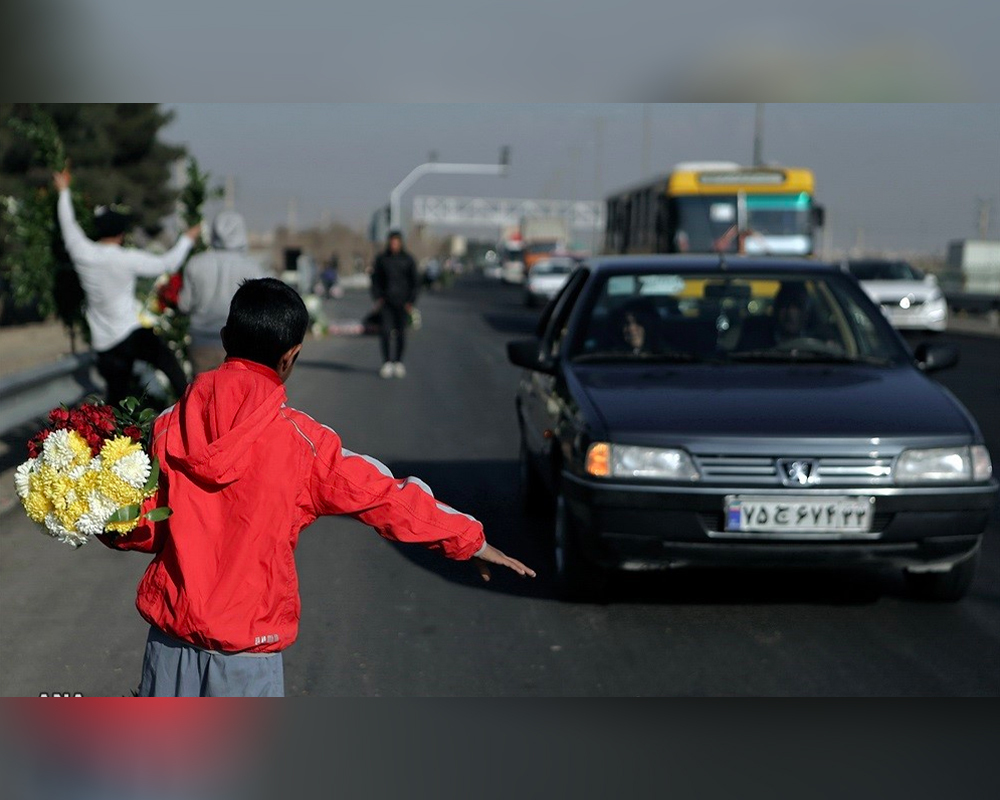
717	207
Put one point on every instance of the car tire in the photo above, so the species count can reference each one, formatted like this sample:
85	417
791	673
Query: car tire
943	587
577	579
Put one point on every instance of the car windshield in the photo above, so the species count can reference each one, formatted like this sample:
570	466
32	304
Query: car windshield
884	271
731	317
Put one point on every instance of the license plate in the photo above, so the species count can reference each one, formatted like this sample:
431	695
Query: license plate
815	515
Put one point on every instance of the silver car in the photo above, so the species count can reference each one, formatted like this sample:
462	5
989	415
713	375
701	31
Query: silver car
909	298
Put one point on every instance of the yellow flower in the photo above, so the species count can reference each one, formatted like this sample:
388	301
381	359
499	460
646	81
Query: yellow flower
71	513
80	448
37	505
117	490
116	448
121	527
53	484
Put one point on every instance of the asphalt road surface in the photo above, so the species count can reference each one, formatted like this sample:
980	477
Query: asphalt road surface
382	619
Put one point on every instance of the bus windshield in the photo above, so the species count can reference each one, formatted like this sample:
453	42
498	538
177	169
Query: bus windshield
775	224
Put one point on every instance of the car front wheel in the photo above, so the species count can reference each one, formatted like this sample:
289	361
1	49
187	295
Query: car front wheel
943	587
576	577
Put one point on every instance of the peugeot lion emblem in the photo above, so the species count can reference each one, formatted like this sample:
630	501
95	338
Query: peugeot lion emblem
798	471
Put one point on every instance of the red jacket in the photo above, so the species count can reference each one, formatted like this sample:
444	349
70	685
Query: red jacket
244	474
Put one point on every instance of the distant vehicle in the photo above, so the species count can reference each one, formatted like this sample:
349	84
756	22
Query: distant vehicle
543	237
909	298
510	253
546	279
684	410
717	207
976	266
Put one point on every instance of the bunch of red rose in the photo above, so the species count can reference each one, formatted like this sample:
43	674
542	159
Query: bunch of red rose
94	422
169	293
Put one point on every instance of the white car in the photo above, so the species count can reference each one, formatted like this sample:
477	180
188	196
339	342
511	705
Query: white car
910	299
546	279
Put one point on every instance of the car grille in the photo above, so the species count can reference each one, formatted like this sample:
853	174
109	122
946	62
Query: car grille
830	472
893	305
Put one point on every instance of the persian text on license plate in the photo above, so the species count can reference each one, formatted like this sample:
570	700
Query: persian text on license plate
819	515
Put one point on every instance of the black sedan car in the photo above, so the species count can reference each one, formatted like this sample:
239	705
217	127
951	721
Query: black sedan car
698	411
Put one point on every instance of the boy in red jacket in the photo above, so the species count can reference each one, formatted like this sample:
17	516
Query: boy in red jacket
244	474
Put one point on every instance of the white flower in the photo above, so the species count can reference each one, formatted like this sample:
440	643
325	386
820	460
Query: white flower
93	521
22	475
62	533
133	469
91	524
76	473
56	451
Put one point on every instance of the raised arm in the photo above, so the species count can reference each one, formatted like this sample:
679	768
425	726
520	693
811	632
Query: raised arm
76	241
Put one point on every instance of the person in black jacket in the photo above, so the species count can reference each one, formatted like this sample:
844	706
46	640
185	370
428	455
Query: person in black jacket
394	287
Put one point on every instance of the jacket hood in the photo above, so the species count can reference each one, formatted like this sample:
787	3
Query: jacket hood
229	231
219	419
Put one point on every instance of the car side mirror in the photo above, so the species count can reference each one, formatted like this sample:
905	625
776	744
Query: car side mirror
527	353
934	357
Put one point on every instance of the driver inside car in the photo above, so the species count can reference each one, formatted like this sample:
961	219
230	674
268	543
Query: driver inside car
788	321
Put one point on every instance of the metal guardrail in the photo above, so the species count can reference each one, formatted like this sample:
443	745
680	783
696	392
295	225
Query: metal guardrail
25	396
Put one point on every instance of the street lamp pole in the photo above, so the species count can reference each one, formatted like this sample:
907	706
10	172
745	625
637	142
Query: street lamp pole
433	167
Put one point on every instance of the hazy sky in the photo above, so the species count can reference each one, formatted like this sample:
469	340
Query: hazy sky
903	177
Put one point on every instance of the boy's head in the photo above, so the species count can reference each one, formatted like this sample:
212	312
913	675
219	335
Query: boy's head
267	323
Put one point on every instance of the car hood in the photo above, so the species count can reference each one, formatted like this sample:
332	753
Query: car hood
894	291
770	400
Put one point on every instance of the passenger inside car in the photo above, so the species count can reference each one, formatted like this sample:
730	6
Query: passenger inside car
790	319
636	326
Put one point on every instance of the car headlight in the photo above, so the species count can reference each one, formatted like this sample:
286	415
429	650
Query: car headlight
943	465
629	461
982	467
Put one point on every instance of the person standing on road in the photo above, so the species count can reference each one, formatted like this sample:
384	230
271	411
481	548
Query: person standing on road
394	287
108	273
210	281
244	475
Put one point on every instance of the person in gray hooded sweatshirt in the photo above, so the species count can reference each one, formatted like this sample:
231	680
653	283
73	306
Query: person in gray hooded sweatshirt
210	281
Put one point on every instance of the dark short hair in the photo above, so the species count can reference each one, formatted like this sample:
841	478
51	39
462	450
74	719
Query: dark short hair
110	222
267	318
792	293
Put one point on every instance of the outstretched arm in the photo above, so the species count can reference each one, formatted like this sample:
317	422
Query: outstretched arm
403	510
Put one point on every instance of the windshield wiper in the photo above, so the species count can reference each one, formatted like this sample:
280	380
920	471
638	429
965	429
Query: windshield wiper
667	357
805	354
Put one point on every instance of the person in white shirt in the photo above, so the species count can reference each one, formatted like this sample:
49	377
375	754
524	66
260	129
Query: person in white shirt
108	274
210	281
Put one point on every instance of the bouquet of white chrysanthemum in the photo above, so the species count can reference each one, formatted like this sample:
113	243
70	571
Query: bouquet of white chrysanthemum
88	473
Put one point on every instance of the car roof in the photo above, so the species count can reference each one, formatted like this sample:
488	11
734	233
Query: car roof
708	264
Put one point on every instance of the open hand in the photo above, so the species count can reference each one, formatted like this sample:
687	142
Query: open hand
62	179
493	556
194	232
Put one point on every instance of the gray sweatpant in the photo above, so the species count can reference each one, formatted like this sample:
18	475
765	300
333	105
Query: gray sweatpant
171	668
